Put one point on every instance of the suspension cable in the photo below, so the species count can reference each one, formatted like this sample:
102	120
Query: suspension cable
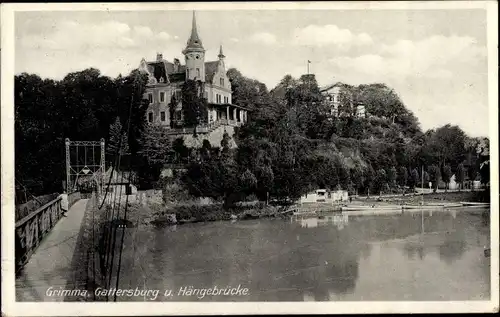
126	199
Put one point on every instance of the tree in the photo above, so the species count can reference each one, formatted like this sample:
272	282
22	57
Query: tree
83	103
225	144
460	176
446	176
172	107
265	181
206	150
358	178
249	93
116	133
380	180
485	172
194	106
180	149
391	176
415	178
445	146
434	176
382	101
248	182
402	176
426	179
155	144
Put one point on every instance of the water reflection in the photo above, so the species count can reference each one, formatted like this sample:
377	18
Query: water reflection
413	256
338	220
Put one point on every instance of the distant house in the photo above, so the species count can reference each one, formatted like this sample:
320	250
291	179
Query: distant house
324	196
337	94
452	185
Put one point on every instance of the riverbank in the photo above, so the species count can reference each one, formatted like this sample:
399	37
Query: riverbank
180	214
426	199
159	214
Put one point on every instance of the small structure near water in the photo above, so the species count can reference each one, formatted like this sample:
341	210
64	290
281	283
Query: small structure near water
325	196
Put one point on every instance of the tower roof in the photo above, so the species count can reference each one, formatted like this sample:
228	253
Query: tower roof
221	54
194	41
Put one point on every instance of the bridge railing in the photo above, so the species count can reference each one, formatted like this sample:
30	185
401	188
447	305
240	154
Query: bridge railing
31	229
73	198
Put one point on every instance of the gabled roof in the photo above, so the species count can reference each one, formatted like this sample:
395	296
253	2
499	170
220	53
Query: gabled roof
326	88
157	69
160	69
210	70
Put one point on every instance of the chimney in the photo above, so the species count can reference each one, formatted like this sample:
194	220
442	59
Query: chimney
177	65
159	57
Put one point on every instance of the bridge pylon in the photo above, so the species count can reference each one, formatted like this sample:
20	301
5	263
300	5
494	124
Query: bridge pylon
85	160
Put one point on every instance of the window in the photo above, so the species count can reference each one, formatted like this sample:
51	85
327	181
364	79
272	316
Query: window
162	115
150	117
150	97
222	82
178	115
162	96
225	99
187	73
198	73
205	95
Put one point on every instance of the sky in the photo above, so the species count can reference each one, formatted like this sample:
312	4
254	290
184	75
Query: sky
436	60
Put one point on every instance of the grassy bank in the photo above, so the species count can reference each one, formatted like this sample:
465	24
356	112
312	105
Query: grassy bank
187	213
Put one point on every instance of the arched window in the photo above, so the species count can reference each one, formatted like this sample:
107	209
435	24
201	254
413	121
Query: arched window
198	73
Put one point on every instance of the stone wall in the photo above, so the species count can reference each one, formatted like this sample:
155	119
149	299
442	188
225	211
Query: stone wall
214	137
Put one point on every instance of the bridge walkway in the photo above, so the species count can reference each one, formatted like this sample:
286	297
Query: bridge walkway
50	265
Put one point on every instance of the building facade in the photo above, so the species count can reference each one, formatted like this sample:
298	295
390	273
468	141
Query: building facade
165	80
324	196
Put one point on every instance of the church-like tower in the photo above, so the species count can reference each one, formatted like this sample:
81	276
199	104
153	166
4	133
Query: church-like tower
194	54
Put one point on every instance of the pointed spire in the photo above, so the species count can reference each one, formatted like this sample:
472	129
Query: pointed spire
221	54
194	41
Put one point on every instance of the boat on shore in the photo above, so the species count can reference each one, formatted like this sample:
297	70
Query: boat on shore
473	204
368	208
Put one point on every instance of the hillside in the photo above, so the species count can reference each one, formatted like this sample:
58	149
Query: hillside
290	144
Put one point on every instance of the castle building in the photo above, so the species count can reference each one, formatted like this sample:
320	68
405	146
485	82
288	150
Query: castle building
165	80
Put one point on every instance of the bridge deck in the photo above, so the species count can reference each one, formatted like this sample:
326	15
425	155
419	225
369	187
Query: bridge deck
50	265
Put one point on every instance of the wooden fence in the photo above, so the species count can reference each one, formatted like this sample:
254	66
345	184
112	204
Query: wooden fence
31	229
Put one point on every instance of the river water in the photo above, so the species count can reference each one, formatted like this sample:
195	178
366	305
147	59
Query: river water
414	256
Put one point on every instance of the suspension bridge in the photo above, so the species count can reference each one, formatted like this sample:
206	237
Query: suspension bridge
63	256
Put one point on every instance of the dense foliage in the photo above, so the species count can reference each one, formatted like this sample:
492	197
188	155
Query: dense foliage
194	106
82	105
290	145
